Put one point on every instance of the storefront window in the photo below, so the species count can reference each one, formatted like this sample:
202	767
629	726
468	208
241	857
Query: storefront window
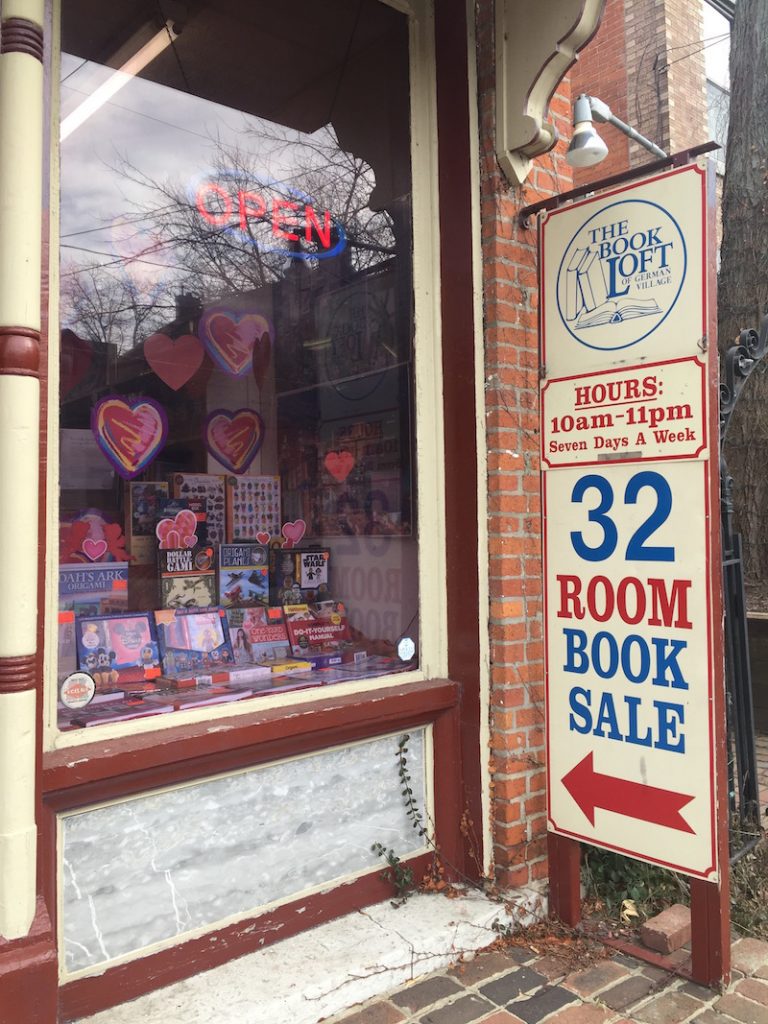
237	477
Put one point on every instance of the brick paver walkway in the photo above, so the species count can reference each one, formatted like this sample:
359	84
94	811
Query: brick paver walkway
520	986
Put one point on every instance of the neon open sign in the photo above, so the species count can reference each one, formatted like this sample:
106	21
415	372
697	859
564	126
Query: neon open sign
269	216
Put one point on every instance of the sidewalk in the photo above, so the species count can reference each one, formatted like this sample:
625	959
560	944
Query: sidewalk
517	986
398	966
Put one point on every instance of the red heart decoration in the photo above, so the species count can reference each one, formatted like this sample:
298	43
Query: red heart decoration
234	438
130	432
94	549
75	360
175	361
229	337
262	537
179	532
339	464
262	352
293	532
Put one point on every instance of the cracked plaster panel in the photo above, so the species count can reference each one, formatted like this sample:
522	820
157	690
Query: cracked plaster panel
144	870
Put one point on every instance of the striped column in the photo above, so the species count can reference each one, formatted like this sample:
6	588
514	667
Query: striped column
21	129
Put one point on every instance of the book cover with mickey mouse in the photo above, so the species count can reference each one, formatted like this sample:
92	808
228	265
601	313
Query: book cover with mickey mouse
118	650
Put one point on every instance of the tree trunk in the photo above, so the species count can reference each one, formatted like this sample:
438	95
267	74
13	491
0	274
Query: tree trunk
743	278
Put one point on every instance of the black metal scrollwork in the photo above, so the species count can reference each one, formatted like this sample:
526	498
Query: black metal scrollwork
739	362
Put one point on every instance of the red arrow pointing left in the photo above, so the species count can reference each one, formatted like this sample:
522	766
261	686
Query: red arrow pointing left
590	789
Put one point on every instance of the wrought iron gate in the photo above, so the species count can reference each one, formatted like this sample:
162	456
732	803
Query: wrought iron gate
742	769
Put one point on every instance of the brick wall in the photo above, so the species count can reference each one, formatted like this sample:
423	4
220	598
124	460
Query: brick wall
510	297
647	64
601	71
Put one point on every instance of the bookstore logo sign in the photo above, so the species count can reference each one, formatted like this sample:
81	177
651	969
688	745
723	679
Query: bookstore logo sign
621	274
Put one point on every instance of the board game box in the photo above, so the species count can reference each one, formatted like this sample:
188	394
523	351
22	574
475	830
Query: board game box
192	641
243	575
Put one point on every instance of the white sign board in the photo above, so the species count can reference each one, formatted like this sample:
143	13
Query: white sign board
626	490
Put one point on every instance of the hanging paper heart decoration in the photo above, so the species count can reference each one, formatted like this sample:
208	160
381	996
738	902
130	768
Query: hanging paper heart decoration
175	361
293	532
229	337
179	532
262	352
234	438
130	431
94	549
339	464
75	360
262	537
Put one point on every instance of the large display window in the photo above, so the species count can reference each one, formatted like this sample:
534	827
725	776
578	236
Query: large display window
238	487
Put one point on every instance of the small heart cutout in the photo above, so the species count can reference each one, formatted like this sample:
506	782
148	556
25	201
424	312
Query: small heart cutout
293	532
339	464
94	549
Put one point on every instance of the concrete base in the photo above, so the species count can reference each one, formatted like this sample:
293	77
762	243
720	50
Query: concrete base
332	968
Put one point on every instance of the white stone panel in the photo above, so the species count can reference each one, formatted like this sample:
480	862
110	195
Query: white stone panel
146	870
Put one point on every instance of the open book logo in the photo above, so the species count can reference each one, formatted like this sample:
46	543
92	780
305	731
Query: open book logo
621	274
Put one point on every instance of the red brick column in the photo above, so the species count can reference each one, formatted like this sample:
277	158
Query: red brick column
510	300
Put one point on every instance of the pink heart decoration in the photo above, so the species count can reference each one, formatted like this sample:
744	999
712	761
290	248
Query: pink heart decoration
175	361
94	549
131	432
262	537
76	357
339	464
229	337
234	438
262	351
179	532
293	532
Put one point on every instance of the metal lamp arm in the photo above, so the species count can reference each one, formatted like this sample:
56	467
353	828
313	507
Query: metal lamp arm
603	114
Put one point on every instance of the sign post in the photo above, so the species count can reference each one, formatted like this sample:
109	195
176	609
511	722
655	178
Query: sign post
630	486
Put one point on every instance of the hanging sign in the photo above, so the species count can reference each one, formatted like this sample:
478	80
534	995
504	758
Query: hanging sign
628	475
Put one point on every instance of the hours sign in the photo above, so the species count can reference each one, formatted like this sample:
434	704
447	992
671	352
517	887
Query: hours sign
628	474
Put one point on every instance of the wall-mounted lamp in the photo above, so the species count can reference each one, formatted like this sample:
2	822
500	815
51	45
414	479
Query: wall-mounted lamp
587	148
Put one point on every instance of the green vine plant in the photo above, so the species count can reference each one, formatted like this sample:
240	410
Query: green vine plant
399	875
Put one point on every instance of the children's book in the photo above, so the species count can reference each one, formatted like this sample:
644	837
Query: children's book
93	588
141	517
318	631
193	641
117	650
298	576
253	508
258	635
210	487
187	577
243	575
